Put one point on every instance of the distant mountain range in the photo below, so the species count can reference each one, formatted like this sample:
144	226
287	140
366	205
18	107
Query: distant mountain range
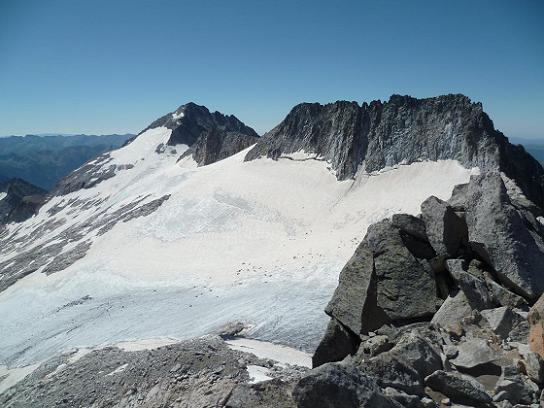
44	159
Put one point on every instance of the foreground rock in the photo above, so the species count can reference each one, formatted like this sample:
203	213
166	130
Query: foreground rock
436	308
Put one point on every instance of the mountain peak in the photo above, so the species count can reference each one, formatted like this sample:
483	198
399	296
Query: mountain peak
403	130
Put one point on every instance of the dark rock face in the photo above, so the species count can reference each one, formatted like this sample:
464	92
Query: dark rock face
20	201
211	136
458	387
505	237
401	130
376	286
336	385
337	343
446	230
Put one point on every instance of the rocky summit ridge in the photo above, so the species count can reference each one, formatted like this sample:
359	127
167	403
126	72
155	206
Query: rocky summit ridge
402	130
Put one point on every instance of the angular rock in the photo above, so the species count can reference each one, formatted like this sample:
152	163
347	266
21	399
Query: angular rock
393	371
474	288
474	353
337	343
445	229
534	367
339	385
406	365
354	302
500	235
458	387
404	399
383	282
406	287
452	311
516	388
502	320
503	296
414	237
375	345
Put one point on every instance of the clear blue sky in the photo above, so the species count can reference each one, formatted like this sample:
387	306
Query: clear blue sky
105	66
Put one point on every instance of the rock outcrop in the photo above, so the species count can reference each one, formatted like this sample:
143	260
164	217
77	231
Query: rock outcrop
402	130
19	200
434	308
211	136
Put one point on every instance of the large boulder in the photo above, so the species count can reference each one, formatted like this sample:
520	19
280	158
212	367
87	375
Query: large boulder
383	282
446	230
339	385
406	365
337	343
474	353
458	387
503	237
354	301
406	286
515	387
473	286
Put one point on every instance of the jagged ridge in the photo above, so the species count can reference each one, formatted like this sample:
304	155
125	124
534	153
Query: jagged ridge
402	130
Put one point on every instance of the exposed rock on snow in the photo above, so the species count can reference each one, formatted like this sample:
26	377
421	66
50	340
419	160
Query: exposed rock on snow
401	130
19	200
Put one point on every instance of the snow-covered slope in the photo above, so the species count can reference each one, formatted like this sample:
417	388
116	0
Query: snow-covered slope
164	248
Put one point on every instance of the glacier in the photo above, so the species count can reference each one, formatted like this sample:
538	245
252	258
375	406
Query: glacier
261	242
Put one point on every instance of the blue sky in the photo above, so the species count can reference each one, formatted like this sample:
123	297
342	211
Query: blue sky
114	66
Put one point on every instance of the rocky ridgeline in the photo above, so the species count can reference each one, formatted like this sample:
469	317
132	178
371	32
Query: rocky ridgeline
211	136
433	310
402	130
19	200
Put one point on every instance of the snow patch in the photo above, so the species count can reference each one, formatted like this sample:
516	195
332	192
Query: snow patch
263	349
3	195
177	115
258	374
119	369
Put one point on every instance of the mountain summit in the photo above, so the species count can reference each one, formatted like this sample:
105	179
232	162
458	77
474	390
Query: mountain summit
402	130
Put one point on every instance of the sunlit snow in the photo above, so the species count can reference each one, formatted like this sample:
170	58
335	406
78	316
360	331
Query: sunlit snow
260	242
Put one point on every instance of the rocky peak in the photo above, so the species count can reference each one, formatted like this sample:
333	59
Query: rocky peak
191	121
19	200
402	130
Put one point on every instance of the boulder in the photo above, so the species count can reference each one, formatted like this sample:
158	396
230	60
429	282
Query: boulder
447	231
534	367
354	302
404	399
515	388
393	371
339	385
500	235
406	365
502	320
451	313
406	287
473	353
458	387
383	281
337	343
473	286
